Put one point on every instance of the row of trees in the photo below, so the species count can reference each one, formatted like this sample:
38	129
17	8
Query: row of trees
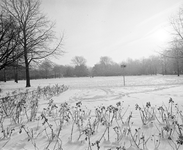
25	36
105	67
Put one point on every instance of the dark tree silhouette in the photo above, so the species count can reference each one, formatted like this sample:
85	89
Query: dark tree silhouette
9	41
79	60
36	31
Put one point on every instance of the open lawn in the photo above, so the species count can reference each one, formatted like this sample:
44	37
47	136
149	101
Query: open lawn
94	113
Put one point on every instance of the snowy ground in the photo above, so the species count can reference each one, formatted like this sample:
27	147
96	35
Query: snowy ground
102	91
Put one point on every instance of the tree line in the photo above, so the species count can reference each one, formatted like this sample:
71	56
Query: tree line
152	65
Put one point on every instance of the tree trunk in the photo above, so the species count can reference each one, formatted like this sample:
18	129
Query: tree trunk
27	74
26	68
26	58
178	70
4	74
16	74
165	69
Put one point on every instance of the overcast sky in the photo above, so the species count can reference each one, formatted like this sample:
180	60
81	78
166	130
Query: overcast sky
119	29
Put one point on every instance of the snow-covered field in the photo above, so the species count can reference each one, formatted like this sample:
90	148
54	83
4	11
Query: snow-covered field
98	92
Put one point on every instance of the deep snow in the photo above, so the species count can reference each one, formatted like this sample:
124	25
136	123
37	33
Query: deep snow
97	91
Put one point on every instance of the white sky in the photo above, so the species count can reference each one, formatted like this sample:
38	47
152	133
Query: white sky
119	29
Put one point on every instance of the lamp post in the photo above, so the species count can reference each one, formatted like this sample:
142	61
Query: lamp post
123	66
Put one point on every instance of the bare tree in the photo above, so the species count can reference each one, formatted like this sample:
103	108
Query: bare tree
79	60
105	60
36	31
46	66
177	25
9	41
174	52
57	71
